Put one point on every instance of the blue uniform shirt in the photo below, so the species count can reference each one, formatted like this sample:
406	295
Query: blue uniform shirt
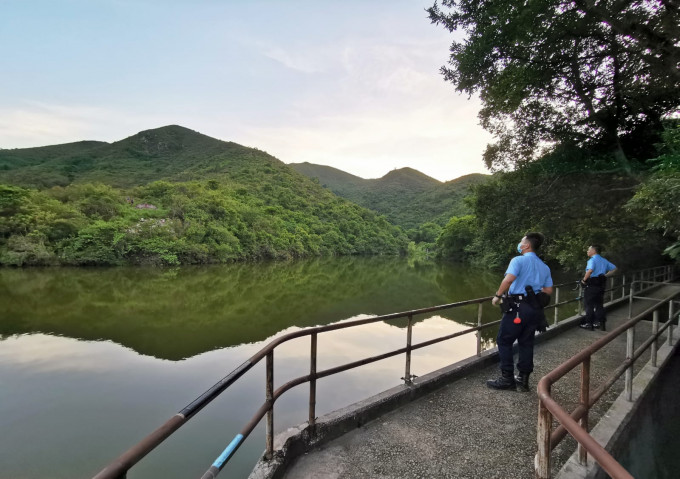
599	265
529	270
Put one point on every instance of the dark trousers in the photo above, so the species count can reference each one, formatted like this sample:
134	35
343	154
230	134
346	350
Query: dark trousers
593	297
523	332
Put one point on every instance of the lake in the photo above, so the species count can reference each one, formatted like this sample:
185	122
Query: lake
94	359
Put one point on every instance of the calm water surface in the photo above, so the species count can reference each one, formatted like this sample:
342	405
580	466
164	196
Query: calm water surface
92	360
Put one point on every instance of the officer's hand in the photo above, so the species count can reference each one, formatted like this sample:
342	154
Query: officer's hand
583	283
496	300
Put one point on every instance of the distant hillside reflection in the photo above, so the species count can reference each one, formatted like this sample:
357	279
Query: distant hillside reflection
181	312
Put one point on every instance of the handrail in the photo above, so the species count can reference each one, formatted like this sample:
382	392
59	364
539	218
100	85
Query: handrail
118	468
549	408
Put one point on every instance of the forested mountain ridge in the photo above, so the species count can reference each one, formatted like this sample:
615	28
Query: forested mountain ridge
405	196
339	182
170	153
172	196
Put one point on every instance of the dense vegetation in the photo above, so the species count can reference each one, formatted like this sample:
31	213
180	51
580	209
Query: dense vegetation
406	197
573	203
582	98
657	200
596	74
171	196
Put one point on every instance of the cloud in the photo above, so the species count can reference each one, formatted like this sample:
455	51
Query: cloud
381	105
19	126
432	132
297	62
44	353
33	123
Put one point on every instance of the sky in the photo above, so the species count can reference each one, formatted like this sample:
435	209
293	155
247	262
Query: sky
353	84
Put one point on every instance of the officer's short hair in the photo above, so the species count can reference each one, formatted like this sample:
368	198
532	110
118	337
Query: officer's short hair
596	247
535	239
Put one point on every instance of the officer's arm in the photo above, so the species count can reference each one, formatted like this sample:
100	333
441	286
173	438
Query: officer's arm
547	289
588	273
505	284
611	271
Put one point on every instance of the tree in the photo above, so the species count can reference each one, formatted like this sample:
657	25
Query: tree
657	201
456	237
600	74
426	233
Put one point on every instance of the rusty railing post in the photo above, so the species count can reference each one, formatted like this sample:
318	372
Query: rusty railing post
479	331
543	440
655	333
270	398
584	400
312	380
671	307
630	348
557	300
611	289
630	300
409	334
623	286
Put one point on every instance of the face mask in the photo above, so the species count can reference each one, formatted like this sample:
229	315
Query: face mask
519	248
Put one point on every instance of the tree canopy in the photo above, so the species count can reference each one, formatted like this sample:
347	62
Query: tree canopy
600	74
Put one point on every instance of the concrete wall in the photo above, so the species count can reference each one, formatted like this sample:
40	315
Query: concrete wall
650	445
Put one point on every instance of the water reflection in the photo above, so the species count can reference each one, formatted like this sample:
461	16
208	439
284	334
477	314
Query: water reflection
92	360
178	313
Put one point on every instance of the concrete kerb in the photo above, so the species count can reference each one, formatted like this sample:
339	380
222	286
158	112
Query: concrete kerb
299	440
611	428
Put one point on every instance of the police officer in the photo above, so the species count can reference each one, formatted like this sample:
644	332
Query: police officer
595	281
521	314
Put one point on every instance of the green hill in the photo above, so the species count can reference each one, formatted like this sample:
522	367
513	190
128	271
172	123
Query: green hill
170	153
338	181
172	195
405	196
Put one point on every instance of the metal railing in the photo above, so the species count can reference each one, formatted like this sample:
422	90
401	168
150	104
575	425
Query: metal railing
576	422
118	468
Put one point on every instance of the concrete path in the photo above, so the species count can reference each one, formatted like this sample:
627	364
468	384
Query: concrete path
466	430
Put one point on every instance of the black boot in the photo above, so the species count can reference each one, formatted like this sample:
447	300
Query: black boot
522	380
505	381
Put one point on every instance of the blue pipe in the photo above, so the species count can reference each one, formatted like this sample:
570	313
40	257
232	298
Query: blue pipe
219	462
